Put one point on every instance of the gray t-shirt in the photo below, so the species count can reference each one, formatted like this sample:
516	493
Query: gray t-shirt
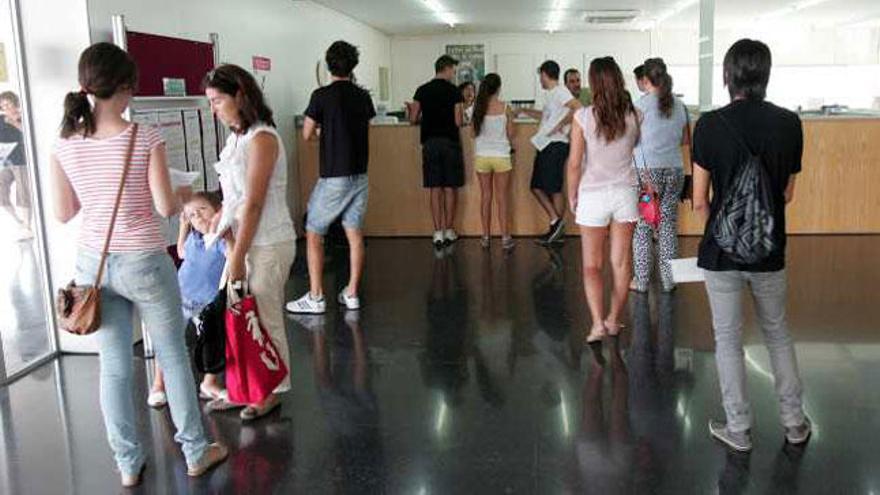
660	142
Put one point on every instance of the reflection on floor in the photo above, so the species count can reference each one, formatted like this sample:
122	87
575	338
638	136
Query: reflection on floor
23	334
464	374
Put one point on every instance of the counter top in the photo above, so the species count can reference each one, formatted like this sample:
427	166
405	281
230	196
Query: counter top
840	168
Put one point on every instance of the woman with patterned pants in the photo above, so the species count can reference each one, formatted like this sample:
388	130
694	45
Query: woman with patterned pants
664	130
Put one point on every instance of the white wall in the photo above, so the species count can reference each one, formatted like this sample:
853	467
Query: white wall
294	35
413	57
835	65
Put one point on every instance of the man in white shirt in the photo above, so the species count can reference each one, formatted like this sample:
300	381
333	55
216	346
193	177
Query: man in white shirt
551	141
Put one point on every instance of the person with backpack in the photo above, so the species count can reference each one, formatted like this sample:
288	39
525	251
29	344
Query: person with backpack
749	152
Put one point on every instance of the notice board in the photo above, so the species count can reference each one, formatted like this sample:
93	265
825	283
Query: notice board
158	57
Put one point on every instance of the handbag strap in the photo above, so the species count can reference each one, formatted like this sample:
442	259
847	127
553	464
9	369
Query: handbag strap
125	168
644	169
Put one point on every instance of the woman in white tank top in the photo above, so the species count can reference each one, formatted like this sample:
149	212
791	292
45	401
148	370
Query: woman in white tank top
493	132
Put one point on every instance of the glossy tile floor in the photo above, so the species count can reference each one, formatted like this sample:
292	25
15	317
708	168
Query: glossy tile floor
464	374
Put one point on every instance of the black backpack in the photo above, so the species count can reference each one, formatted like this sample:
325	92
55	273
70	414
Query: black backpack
743	225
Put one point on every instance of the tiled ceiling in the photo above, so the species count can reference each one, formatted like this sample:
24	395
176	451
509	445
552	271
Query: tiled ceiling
415	17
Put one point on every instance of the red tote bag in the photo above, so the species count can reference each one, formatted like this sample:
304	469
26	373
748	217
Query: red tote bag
253	366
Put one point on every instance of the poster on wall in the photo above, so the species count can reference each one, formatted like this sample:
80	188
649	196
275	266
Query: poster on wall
171	127
194	160
471	62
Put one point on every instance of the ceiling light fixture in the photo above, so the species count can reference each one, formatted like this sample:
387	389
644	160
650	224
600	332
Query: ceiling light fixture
557	12
441	12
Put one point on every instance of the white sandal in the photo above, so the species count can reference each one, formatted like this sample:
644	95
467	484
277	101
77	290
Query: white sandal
157	399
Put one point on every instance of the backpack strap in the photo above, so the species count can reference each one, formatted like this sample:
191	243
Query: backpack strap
736	134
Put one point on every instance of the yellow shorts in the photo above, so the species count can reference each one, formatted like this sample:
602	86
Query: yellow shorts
489	164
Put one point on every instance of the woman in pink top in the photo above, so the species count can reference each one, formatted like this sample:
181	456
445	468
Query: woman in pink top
87	165
602	192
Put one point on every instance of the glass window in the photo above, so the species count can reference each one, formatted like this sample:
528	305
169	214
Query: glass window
24	325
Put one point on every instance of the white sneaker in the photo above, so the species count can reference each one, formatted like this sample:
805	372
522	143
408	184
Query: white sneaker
157	399
450	236
307	305
351	302
438	238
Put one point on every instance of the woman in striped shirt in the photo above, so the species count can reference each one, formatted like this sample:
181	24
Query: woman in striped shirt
87	164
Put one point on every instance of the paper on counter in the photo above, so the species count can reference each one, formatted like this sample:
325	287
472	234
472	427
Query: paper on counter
686	270
540	141
179	178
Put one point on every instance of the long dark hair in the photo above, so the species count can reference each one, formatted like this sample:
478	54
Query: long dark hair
104	70
489	86
655	71
237	82
611	101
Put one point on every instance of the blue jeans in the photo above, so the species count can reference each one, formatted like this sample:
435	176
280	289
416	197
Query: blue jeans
335	196
146	281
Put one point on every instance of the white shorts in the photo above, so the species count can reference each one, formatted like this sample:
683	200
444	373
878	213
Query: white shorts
601	207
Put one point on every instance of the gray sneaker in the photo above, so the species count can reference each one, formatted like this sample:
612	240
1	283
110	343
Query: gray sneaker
740	441
797	435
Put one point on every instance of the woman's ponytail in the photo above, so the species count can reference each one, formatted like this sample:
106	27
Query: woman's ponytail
78	117
104	70
655	71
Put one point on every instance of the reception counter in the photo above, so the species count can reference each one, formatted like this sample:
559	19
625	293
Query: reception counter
835	191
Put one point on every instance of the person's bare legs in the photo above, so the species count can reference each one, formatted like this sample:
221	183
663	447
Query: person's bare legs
547	204
158	379
450	199
592	247
356	259
502	191
315	255
437	208
558	200
621	270
486	202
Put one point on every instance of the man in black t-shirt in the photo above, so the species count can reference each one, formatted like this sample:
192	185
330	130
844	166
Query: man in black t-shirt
438	104
340	113
723	140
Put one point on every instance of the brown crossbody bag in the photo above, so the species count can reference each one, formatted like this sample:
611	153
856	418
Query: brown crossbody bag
79	306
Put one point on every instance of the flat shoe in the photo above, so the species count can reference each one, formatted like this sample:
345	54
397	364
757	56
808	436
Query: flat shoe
157	399
206	394
214	455
132	480
251	413
613	329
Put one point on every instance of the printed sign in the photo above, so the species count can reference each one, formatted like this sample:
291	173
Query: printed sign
261	63
471	62
173	86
